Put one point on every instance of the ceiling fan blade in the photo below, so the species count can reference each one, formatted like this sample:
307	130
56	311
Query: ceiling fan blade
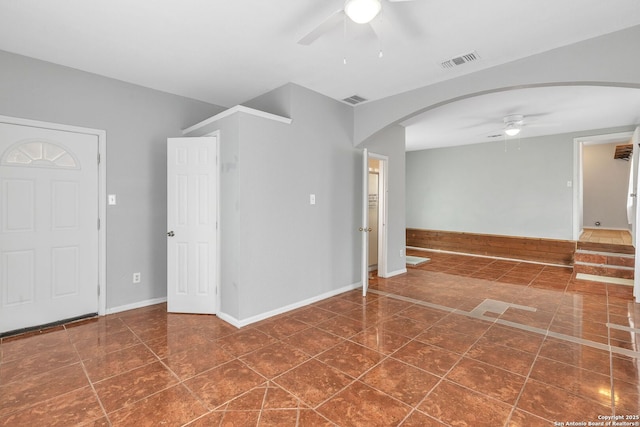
495	133
542	125
332	21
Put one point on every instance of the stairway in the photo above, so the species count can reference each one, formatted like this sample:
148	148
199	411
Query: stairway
604	262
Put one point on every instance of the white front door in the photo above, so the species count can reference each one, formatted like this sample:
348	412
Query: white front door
48	226
192	183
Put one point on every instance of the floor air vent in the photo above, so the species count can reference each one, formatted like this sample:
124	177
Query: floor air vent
354	99
459	60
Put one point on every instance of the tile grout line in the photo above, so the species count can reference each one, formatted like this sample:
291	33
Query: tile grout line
442	378
520	326
361	375
143	342
546	333
528	376
612	389
84	369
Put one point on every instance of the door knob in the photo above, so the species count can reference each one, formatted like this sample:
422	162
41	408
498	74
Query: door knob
171	234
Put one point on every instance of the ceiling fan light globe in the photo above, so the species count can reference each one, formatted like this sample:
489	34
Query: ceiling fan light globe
362	11
512	131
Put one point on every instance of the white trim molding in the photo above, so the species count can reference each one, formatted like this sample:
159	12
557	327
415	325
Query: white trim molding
396	273
135	305
239	323
233	110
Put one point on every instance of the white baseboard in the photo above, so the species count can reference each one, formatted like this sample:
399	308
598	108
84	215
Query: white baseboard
239	323
135	305
395	273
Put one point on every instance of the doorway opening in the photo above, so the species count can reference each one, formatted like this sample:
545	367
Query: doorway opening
601	190
377	197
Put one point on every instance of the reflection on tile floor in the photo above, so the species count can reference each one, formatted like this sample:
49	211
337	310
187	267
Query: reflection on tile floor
459	341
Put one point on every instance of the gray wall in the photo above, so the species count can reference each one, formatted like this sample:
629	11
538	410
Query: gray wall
517	189
231	261
138	122
605	186
277	249
482	188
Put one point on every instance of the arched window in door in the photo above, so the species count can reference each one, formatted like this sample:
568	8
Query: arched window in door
39	153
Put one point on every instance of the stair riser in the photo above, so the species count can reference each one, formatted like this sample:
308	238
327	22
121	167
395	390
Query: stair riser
603	270
604	259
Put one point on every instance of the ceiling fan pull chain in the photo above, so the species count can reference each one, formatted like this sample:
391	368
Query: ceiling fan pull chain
379	35
344	35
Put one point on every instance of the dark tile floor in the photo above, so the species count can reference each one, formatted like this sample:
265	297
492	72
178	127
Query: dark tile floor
460	341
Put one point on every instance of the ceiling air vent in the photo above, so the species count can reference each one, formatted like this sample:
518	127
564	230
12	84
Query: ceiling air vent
459	60
354	99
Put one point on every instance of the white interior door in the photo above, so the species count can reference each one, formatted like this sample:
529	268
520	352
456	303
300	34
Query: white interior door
364	228
192	252
48	226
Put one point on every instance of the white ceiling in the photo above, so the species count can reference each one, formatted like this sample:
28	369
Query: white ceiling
229	51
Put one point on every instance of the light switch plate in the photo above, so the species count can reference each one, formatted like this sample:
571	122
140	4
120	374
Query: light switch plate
312	199
112	199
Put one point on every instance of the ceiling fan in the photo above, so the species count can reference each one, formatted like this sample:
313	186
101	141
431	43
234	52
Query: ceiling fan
513	124
359	11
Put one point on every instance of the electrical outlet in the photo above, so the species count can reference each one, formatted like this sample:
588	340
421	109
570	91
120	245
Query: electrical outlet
136	278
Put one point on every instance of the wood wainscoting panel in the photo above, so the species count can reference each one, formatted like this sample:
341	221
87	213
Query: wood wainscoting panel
550	251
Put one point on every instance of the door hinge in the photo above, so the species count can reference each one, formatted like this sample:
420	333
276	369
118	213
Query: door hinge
98	223
98	158
98	289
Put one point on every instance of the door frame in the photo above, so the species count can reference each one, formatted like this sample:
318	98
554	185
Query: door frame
218	272
382	218
382	212
102	193
578	189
